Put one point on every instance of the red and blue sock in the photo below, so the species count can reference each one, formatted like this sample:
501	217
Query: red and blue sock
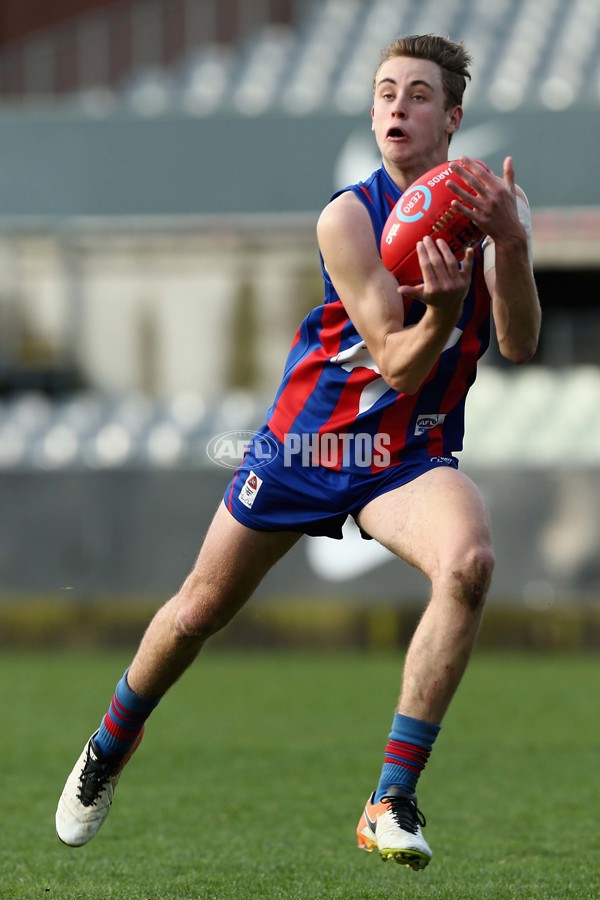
409	744
124	720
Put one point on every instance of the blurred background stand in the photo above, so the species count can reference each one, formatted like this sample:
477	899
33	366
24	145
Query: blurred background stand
163	164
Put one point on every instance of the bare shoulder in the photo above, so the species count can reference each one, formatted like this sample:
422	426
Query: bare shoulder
345	221
351	257
344	204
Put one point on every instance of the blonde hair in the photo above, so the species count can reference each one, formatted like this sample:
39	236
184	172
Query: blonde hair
452	58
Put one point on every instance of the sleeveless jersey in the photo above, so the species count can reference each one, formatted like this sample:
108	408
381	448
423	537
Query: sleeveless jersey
331	385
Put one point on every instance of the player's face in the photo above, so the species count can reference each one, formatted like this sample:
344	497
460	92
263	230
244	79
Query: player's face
410	118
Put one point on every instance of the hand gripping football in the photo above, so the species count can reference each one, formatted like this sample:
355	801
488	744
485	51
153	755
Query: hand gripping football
425	209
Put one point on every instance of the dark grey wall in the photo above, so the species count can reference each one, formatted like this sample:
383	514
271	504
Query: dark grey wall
66	164
138	532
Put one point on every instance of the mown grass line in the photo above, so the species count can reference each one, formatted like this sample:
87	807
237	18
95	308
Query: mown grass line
254	769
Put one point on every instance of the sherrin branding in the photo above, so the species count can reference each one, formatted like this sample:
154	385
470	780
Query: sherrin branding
440	177
425	208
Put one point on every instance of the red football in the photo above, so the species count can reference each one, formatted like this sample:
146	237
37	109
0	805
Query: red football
425	208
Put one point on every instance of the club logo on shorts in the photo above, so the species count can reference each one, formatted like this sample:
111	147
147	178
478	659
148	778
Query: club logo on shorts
250	489
426	423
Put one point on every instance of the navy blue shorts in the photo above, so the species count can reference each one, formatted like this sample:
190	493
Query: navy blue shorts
271	493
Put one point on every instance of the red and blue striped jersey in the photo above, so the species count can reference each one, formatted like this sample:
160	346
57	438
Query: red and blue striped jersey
331	384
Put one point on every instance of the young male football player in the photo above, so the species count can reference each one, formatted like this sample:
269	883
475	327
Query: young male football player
378	359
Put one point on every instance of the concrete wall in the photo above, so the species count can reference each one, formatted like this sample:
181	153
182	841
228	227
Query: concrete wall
65	163
137	533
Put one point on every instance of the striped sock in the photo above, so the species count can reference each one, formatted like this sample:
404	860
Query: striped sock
124	720
407	751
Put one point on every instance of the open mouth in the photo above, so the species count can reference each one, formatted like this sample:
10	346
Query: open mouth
396	132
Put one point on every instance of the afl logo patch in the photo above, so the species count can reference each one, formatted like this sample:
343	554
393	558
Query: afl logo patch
426	423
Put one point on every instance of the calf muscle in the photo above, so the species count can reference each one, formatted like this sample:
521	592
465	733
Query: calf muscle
439	524
232	563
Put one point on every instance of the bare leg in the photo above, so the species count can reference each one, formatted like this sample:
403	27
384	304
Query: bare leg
232	562
438	523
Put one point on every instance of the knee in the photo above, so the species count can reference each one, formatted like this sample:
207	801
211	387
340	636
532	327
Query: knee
470	575
193	625
196	616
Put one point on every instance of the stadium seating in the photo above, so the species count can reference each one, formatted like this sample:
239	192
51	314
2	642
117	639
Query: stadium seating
527	54
532	417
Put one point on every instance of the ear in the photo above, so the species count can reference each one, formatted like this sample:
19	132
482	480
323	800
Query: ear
372	118
455	115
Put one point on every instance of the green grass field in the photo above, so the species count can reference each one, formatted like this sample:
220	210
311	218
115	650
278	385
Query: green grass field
254	771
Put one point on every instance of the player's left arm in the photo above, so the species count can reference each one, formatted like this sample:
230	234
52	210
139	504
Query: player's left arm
501	211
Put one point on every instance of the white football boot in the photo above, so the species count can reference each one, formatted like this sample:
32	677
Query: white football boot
393	827
88	794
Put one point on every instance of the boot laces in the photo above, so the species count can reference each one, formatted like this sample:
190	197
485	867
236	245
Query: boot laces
406	813
93	778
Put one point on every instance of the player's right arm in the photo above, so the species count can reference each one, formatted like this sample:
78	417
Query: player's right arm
374	301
